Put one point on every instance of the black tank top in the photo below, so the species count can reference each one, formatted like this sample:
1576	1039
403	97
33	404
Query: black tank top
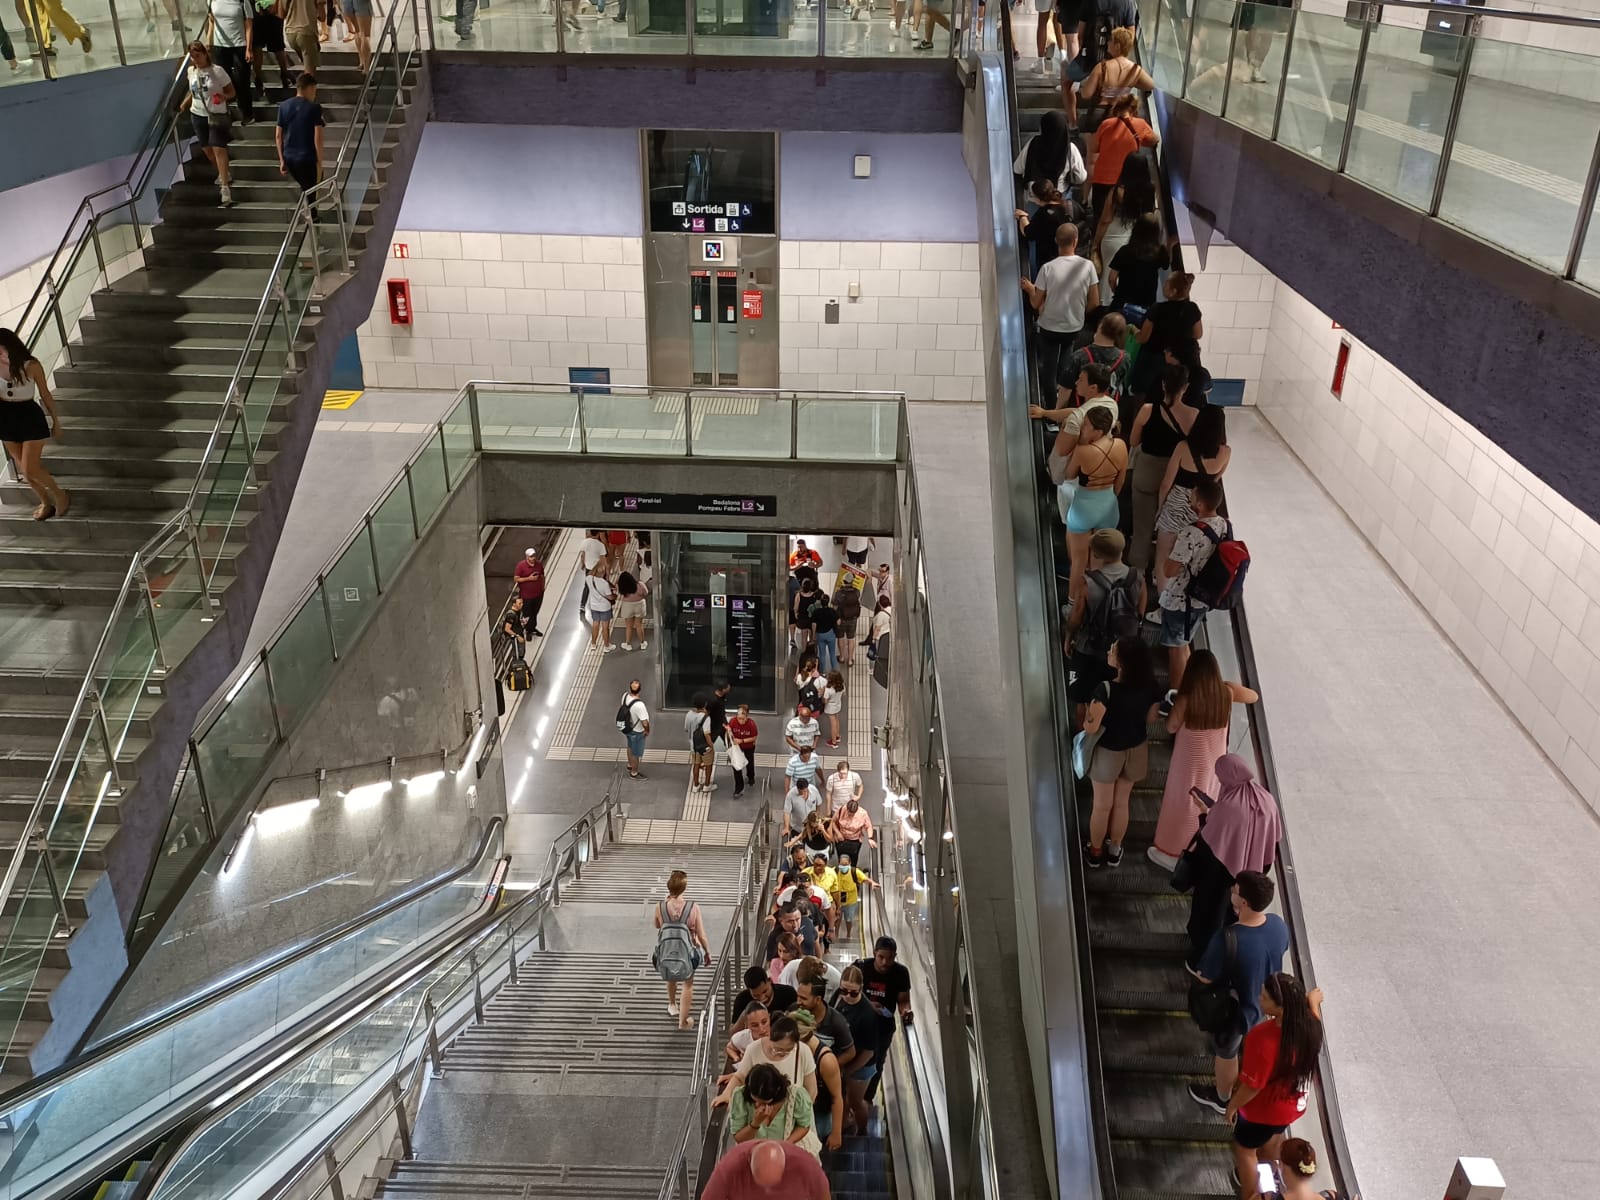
823	1104
1161	433
1186	478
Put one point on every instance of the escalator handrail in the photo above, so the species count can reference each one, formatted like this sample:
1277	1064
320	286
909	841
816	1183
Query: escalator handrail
158	1023
459	946
1336	1143
1014	463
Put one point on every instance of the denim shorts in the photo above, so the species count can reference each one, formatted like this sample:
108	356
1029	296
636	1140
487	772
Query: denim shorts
1177	627
635	744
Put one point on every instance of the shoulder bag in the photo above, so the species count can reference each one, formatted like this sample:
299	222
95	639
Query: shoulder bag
1213	1005
1084	743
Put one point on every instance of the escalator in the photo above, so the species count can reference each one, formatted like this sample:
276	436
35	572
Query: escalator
93	1128
1141	1049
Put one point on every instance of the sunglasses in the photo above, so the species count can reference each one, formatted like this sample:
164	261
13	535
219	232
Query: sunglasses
850	993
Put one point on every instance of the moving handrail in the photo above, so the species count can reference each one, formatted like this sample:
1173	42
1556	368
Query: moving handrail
443	993
85	1119
187	529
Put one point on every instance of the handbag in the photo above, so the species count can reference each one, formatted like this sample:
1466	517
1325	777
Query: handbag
1084	742
736	756
810	1143
1187	871
1213	1005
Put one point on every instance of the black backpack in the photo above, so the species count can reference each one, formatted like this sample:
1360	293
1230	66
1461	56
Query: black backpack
625	715
811	695
1115	616
519	678
1220	580
697	740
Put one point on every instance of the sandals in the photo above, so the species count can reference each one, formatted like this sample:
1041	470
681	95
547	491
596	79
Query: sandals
63	503
44	512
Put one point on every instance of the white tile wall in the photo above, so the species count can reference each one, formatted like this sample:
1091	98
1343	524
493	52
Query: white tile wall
1235	294
17	288
525	307
914	328
515	307
1509	569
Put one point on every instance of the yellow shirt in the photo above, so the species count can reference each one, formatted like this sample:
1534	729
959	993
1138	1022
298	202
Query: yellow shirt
844	884
827	879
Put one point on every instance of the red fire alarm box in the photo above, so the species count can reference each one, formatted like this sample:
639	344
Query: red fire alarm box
1341	364
399	302
752	304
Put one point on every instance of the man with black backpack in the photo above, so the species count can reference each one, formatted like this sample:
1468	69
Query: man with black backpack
633	719
1113	598
1204	571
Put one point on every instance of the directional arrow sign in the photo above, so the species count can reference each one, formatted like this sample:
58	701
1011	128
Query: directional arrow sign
689	504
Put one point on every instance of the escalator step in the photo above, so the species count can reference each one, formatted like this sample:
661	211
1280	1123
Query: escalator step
1144	1107
1172	1172
1152	1043
1158	1002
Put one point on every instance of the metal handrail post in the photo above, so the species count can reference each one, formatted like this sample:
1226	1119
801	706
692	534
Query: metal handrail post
402	1122
583	425
1453	117
99	717
1355	88
433	1037
477	425
688	403
1188	50
1283	79
1580	230
206	812
42	847
1233	49
477	986
55	307
411	495
116	30
193	534
150	613
372	549
688	26
794	426
327	612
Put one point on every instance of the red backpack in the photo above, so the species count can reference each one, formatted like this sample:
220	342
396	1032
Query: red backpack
1219	582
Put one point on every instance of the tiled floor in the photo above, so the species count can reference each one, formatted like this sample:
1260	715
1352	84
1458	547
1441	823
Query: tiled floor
1448	871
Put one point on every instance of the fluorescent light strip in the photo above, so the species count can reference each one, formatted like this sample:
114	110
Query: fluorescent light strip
368	795
421	785
283	817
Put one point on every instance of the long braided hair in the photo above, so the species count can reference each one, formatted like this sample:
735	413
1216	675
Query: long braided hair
1300	1043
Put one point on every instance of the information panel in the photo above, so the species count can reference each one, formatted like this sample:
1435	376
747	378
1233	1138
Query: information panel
746	623
688	504
692	643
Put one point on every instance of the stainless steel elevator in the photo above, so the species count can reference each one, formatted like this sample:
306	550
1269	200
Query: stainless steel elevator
712	310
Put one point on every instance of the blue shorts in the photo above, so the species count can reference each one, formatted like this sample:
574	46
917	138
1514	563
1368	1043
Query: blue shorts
1077	70
635	744
867	1073
1093	509
851	912
1177	628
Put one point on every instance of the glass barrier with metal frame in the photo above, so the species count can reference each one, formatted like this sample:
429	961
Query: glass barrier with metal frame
170	592
69	1128
1480	117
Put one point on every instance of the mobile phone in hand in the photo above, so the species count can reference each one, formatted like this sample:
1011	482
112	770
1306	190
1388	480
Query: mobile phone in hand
1202	797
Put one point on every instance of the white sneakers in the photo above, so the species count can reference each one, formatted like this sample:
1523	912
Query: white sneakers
1166	862
644	645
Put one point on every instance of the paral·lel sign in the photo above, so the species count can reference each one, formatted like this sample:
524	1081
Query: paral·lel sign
687	504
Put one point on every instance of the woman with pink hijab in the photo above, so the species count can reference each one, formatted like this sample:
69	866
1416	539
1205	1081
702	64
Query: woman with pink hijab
1240	833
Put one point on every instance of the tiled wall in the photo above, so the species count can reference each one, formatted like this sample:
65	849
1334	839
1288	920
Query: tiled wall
914	328
17	288
525	307
520	307
1235	294
1508	568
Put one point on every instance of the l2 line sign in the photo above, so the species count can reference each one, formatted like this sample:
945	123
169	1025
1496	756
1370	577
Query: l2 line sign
687	504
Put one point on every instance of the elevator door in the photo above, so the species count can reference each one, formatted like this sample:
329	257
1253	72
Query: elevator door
714	326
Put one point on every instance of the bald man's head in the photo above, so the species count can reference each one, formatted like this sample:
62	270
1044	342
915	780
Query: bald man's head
767	1164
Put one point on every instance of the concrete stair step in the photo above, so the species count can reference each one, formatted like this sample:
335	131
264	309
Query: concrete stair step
113	494
71	461
421	1180
189	289
222	256
126	531
193	350
156	432
157	376
159	397
27	714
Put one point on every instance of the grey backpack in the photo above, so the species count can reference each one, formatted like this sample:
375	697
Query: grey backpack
675	957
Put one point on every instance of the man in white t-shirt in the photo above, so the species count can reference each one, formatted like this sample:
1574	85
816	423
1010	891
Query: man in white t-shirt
802	729
1180	615
1064	291
841	786
856	549
635	726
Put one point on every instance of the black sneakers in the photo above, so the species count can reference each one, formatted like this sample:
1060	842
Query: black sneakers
1092	858
1205	1095
1113	856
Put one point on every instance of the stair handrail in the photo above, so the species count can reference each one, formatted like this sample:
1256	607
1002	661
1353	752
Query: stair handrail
183	524
159	132
756	876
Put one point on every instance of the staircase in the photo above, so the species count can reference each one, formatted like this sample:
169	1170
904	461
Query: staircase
139	390
574	1082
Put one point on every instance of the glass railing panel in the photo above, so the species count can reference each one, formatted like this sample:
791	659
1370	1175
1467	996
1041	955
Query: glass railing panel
1509	188
1316	98
1213	40
458	446
186	839
31	937
1259	60
89	783
748	426
232	753
129	665
151	31
848	428
177	591
392	532
1171	47
862	30
352	589
1407	86
530	421
1588	266
71	285
301	660
428	484
222	489
634	423
261	384
518	28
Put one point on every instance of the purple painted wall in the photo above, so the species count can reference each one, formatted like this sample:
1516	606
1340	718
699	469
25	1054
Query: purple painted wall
526	179
569	180
920	189
1519	373
35	215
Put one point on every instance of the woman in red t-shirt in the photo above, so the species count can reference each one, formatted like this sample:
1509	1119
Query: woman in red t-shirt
743	731
1277	1065
1119	135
